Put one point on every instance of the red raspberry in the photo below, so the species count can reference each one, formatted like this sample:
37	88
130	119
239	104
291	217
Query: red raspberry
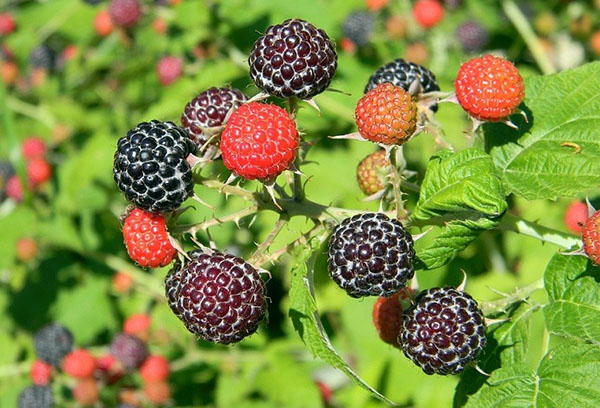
147	240
387	318
41	372
575	216
591	237
122	282
32	148
7	23
371	172
155	369
103	23
38	171
157	392
14	188
26	249
386	114
428	13
260	141
125	13
79	364
138	325
489	88
86	391
169	69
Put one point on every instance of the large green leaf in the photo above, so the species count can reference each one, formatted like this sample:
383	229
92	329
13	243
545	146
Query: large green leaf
463	192
574	308
568	376
305	317
561	108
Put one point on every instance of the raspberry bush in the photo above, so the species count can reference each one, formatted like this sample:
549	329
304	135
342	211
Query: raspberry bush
299	204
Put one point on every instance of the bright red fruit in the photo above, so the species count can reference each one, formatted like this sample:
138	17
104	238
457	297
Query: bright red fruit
155	369
14	188
428	13
32	148
138	325
79	364
575	216
7	23
40	372
489	88
260	141
38	171
147	240
591	237
103	23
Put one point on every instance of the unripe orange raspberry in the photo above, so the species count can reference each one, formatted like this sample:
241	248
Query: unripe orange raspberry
86	391
386	114
154	369
157	392
591	237
370	172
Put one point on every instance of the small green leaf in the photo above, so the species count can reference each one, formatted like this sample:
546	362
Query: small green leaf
305	317
568	376
534	161
574	308
463	192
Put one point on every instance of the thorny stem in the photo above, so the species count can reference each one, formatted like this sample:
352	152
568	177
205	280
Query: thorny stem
398	165
262	248
235	217
303	240
516	224
520	294
520	22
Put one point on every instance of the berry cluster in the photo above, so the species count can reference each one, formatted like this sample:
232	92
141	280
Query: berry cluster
93	375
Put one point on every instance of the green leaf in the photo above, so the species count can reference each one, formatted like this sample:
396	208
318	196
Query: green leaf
462	191
574	294
568	376
561	108
305	317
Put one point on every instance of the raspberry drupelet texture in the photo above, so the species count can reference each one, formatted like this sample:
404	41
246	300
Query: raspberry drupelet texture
591	237
260	141
293	58
219	297
147	239
36	396
208	110
52	343
150	166
387	115
370	255
387	318
129	350
443	331
371	172
489	88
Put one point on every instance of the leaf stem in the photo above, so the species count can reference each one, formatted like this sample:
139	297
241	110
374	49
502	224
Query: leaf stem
520	22
261	249
520	294
516	224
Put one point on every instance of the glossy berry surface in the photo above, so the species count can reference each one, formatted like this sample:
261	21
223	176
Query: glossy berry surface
489	88
591	237
371	172
52	343
293	58
387	115
36	396
219	297
125	13
209	110
428	13
370	255
387	318
129	350
147	240
443	331
260	141
150	166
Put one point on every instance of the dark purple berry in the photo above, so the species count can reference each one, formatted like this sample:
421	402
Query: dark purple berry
443	331
209	110
150	166
52	343
129	350
371	255
358	27
293	58
36	396
219	297
42	57
472	36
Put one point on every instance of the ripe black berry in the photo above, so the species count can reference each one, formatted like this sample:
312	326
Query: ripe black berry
208	110
150	166
129	350
371	255
472	36
52	343
403	73
358	27
293	58
443	331
219	297
42	57
36	396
